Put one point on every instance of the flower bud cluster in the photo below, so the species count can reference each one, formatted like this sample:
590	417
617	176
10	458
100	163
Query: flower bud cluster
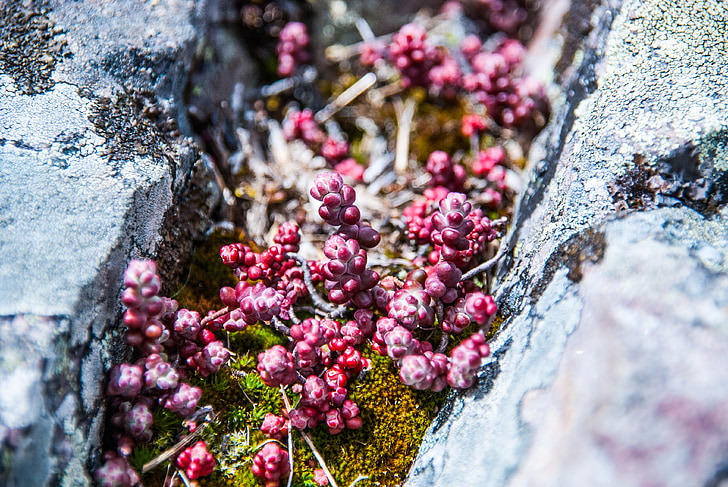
301	125
271	464
444	172
162	335
292	48
346	277
196	461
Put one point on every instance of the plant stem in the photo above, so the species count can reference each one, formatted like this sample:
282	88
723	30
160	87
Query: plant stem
315	297
487	264
320	459
214	316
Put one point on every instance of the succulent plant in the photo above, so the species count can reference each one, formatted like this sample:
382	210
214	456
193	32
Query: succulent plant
271	464
196	461
276	367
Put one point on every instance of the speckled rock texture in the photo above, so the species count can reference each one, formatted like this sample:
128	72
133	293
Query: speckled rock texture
611	363
91	162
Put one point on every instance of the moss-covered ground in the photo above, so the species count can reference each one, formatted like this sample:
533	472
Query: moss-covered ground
395	416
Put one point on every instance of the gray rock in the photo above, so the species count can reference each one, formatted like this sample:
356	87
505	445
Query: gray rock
609	367
91	169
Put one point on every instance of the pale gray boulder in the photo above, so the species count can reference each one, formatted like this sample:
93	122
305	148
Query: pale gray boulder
611	363
92	167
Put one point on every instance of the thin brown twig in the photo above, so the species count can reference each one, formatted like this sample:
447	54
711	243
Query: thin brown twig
290	437
309	442
214	316
308	280
487	264
319	458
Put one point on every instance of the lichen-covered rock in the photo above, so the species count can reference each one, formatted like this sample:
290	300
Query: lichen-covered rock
609	364
93	163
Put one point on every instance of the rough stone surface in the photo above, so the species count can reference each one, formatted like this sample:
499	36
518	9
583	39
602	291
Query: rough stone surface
91	159
609	367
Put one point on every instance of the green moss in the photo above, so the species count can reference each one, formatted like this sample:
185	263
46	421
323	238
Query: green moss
201	290
395	419
437	127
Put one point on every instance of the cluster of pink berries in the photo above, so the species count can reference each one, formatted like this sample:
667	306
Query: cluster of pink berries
280	281
292	48
170	342
345	274
490	78
302	125
506	16
510	100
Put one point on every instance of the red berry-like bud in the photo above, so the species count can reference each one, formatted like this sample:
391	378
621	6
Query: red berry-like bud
196	461
274	426
276	367
271	464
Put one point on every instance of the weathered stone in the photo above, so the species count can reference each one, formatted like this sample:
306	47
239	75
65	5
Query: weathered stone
91	160
609	365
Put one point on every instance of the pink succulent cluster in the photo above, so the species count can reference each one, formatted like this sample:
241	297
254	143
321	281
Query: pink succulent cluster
301	125
292	48
275	427
349	168
487	160
144	307
473	124
271	464
510	100
334	150
372	52
196	461
412	54
323	351
276	367
346	277
489	76
444	173
460	235
325	400
169	342
116	472
281	282
465	360
506	16
411	306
